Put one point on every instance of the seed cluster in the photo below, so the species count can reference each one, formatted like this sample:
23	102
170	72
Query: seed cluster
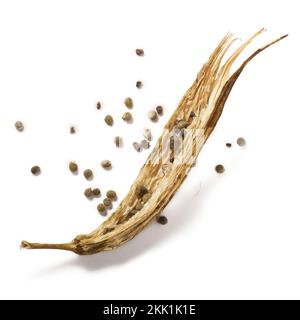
106	204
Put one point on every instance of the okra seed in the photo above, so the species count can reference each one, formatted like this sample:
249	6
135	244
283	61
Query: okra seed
127	117
107	203
140	52
106	164
98	106
128	103
241	142
118	142
137	146
19	126
72	130
148	134
35	170
96	192
160	110
146	197
228	145
139	84
101	209
109	120
111	194
139	205
153	116
88	193
219	168
88	174
162	220
73	167
145	144
140	191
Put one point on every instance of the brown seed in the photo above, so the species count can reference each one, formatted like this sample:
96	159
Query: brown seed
106	164
146	197
111	194
73	167
139	205
128	103
137	146
140	191
182	124
160	110
148	134
101	209
88	174
145	144
162	220
72	130
127	117
140	52
228	145
107	203
153	116
36	170
98	106
118	142
19	126
219	168
109	120
139	84
88	193
241	142
96	192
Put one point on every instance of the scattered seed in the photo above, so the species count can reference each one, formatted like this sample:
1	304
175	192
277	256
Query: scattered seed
139	84
96	192
241	142
146	197
139	205
36	170
148	134
106	164
137	146
109	120
72	130
88	193
127	117
153	116
128	103
140	191
111	195
162	220
88	174
145	144
140	52
219	168
19	126
73	167
101	209
98	106
228	145
160	110
107	203
118	142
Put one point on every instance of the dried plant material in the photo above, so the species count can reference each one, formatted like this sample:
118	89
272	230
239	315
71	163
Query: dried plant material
72	130
140	52
96	192
228	145
111	195
241	142
219	168
36	170
102	209
73	167
19	126
88	174
148	134
118	142
206	98
139	84
106	164
128	103
137	146
127	117
162	220
88	193
98	105
109	120
160	110
145	144
153	116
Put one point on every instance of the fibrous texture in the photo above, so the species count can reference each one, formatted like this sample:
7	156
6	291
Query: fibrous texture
172	157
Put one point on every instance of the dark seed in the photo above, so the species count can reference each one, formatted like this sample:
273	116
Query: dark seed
140	191
73	167
109	120
228	145
101	209
88	193
106	164
160	110
127	117
140	52
118	142
72	130
139	205
182	124
88	174
219	168
146	197
107	202
139	84
111	194
153	116
128	103
36	170
241	142
98	106
162	220
96	192
19	126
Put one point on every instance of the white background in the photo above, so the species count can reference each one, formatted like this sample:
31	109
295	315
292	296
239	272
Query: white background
229	236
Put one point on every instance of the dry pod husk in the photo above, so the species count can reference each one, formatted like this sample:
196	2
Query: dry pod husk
206	98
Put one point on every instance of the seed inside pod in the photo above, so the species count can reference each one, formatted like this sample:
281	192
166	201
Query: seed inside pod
107	203
118	142
139	84
88	193
146	197
101	209
128	103
241	142
88	174
96	192
19	126
98	105
137	146
73	167
182	124
148	134
219	168
145	144
228	145
127	117
106	164
153	116
162	220
139	205
140	52
72	130
111	195
140	191
109	120
35	170
160	110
